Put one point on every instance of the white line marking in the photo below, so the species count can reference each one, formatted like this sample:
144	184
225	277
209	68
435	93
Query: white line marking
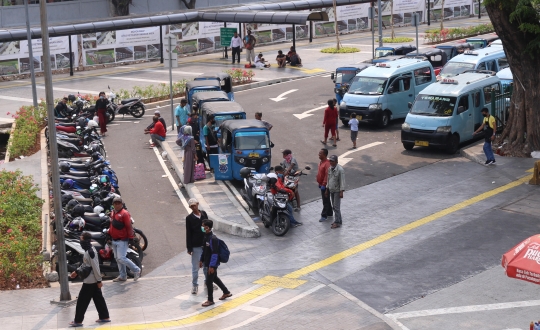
239	198
342	160
306	114
134	79
171	180
280	83
464	309
12	98
327	76
281	96
113	124
254	309
175	72
71	90
277	307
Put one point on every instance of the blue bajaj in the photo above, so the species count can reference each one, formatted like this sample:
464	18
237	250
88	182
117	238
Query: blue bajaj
221	111
197	86
243	143
342	79
224	79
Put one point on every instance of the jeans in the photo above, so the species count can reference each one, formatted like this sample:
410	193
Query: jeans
156	137
336	203
327	206
120	251
195	258
90	292
488	151
236	51
291	214
210	280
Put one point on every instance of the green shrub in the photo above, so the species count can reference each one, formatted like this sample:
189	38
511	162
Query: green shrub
397	39
20	227
240	76
342	50
436	35
28	124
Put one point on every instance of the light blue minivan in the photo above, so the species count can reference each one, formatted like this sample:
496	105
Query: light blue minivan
447	113
491	58
380	93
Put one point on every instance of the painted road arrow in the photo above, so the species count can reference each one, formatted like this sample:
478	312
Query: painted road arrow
308	113
281	96
342	160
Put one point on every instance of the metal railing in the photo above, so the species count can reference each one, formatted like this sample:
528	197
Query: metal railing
500	106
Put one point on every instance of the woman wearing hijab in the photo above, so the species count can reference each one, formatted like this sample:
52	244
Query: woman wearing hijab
190	155
101	107
91	288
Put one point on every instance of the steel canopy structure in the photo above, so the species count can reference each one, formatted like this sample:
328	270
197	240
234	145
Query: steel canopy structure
299	5
266	17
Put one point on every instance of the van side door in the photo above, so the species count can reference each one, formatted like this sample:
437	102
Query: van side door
400	92
423	77
465	122
477	105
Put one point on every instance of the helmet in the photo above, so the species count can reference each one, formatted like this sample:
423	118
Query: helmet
68	184
71	204
93	187
245	172
77	224
104	179
77	211
81	122
64	167
92	124
99	209
94	147
71	97
272	178
66	198
96	156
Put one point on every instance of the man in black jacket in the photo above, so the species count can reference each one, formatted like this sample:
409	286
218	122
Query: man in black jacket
210	260
195	240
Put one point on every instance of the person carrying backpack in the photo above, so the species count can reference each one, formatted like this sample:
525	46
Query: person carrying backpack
210	260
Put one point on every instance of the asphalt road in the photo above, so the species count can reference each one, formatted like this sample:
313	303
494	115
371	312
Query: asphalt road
149	196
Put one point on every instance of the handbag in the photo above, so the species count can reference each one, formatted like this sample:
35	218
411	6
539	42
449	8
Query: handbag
83	271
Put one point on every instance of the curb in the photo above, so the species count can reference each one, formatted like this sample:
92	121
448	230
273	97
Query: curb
220	224
474	153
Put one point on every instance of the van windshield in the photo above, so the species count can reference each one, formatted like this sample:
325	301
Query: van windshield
433	105
367	85
251	140
454	68
476	44
383	52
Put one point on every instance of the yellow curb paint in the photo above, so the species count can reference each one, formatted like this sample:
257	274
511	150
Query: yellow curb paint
403	229
271	282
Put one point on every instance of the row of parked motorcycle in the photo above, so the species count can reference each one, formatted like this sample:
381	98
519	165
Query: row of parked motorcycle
88	187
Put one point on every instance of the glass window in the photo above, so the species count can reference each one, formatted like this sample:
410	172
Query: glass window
476	99
453	68
503	63
406	82
367	85
464	102
481	66
251	140
433	105
345	76
487	94
490	65
422	76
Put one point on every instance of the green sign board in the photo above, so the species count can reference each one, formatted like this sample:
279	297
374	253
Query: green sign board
226	35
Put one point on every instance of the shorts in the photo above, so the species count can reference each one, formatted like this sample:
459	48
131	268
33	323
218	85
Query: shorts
250	55
354	135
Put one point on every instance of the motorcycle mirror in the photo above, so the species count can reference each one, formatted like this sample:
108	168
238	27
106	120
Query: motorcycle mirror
308	167
271	168
101	215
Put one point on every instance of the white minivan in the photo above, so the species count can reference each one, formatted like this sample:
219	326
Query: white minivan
491	58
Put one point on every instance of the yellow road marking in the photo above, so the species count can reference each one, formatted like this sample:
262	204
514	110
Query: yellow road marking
290	280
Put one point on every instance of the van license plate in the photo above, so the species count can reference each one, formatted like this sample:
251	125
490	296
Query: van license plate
253	155
359	118
421	143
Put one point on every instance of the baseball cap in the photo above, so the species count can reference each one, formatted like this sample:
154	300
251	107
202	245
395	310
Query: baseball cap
157	112
333	158
117	200
193	201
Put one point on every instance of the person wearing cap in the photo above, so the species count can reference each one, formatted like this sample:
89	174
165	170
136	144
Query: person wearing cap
290	165
161	120
195	240
121	233
249	44
335	188
181	113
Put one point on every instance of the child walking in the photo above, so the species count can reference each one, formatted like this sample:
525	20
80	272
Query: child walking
353	122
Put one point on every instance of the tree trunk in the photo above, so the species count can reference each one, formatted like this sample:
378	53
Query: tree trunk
338	43
442	15
393	35
121	7
189	4
523	126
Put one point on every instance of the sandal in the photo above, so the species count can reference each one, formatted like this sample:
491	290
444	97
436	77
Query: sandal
335	225
207	303
323	142
103	320
225	296
75	325
334	145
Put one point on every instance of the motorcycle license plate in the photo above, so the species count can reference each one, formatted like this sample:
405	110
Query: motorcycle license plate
253	155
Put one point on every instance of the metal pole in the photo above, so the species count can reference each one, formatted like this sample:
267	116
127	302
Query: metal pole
294	36
31	56
428	12
70	57
53	148
416	23
310	31
379	22
240	32
226	54
170	82
161	45
479	11
372	8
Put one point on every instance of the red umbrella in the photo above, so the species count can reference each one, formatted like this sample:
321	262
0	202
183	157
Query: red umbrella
523	260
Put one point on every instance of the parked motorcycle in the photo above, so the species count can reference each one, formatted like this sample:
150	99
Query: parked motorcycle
291	180
69	150
254	186
133	106
274	212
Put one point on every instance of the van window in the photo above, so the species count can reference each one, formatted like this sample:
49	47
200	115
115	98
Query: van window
422	76
490	65
434	105
367	85
406	82
464	102
481	66
453	68
503	63
487	92
476	100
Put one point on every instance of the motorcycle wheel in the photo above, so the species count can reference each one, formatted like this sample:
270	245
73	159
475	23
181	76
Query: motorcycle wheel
136	246
136	261
102	151
110	115
143	241
281	225
137	111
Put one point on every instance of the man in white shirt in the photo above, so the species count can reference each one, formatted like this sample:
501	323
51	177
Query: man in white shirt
236	44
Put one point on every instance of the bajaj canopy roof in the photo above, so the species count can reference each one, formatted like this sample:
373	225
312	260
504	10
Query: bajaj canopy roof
202	83
221	106
232	125
218	76
208	96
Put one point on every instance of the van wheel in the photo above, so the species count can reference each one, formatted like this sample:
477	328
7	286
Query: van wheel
345	122
385	119
408	145
453	145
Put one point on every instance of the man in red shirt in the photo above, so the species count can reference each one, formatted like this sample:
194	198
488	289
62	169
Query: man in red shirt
121	232
322	175
330	122
277	186
157	133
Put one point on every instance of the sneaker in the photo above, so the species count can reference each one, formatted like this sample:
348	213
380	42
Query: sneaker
152	145
490	162
322	219
195	289
119	279
136	276
487	162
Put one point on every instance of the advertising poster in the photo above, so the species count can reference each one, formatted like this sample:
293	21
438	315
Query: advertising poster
452	8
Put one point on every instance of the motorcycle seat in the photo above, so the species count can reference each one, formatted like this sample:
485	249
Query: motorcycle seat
84	181
72	141
126	101
96	235
92	217
76	173
67	124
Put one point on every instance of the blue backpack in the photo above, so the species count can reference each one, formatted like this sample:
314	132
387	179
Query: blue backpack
223	251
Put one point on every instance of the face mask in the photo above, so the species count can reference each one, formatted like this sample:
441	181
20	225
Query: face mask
202	229
102	97
484	115
280	176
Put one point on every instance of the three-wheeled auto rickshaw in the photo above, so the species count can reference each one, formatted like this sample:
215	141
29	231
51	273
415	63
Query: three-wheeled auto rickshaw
452	50
393	50
224	79
481	42
221	110
437	57
244	143
197	86
342	78
199	99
